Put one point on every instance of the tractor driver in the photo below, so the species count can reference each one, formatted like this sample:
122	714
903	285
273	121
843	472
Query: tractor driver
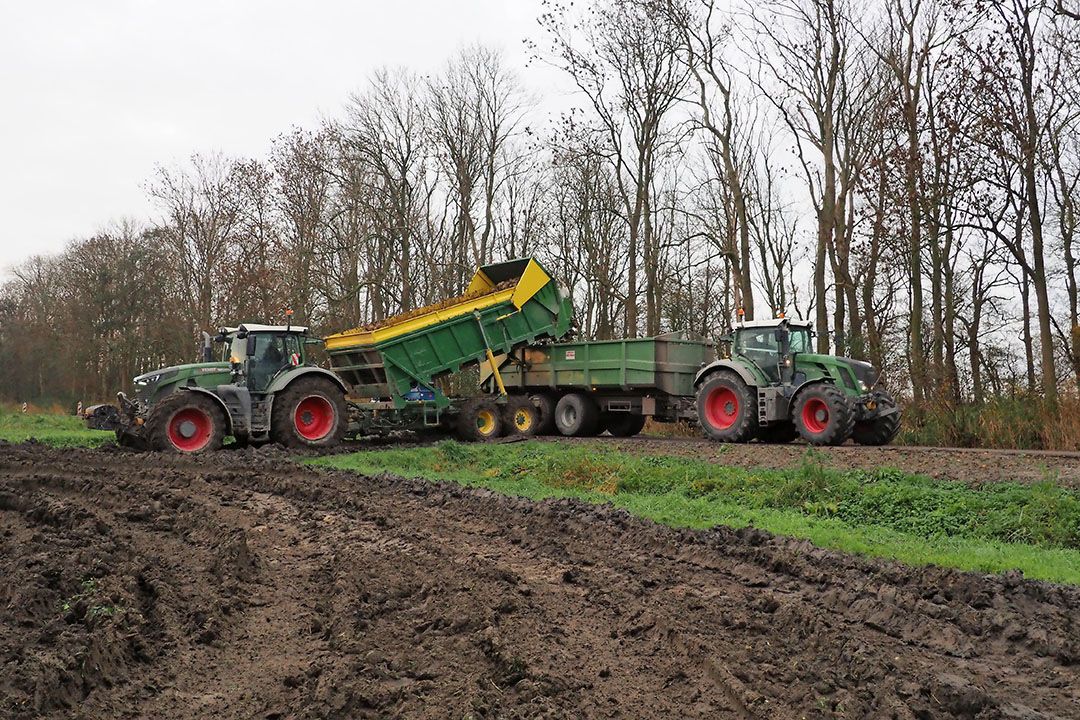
268	362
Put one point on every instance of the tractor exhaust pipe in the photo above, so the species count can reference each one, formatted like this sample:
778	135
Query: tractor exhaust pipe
207	348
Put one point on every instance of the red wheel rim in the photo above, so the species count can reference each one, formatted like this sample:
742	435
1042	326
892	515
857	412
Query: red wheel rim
314	418
722	407
815	415
189	430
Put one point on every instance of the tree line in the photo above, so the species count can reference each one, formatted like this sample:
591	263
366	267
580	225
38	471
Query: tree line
902	172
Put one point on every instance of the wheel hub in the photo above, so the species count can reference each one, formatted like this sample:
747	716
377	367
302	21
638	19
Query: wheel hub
187	429
821	415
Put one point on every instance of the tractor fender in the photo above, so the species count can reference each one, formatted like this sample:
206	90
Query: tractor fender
220	403
712	367
807	384
286	379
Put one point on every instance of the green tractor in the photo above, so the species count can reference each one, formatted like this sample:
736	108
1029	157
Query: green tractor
774	388
264	388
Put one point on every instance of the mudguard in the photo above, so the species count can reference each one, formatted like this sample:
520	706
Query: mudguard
745	374
286	378
220	403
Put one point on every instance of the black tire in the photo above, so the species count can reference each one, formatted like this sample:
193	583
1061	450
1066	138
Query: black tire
577	415
781	432
480	421
520	417
310	412
823	415
186	422
622	424
880	430
545	406
727	408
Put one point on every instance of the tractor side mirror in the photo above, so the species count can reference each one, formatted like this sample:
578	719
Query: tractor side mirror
251	345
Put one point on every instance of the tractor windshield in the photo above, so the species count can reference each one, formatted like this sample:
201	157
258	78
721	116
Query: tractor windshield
800	340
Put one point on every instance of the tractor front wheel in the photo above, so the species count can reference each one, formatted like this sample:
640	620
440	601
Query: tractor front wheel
727	408
823	415
311	412
882	429
186	422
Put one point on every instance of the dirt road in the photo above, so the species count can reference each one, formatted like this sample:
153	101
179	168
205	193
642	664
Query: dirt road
244	586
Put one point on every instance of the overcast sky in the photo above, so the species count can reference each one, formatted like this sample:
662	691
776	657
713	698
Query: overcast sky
94	94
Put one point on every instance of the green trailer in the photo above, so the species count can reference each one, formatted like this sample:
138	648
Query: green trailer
584	388
393	367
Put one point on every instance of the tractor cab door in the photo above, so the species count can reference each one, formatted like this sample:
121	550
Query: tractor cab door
273	353
760	346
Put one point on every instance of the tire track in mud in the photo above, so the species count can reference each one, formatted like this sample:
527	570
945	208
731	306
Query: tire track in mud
259	588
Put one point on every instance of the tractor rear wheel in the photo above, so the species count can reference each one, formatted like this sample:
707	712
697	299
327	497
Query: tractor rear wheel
480	421
879	430
545	406
727	408
311	412
622	424
186	422
520	416
577	415
823	415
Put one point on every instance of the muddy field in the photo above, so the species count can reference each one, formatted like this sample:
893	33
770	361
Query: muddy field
243	586
968	465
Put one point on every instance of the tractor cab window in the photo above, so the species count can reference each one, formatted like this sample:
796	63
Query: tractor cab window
800	340
760	347
272	353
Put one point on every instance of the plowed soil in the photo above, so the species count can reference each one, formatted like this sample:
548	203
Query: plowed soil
244	586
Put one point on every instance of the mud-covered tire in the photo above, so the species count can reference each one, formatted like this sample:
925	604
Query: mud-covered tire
311	412
880	430
778	433
727	408
186	422
480	421
521	418
577	415
545	406
823	415
622	424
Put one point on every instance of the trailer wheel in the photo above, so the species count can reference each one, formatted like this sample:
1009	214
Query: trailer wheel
186	422
623	424
545	406
823	415
727	408
311	412
520	416
577	415
480	421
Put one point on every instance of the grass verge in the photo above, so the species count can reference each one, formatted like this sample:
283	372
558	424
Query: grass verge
51	429
884	513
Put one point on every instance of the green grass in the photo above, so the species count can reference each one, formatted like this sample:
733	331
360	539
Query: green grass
884	513
51	429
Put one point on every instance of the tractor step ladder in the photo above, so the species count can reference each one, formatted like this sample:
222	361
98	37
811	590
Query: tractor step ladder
762	412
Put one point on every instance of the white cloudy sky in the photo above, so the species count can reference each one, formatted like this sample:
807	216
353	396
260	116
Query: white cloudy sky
94	94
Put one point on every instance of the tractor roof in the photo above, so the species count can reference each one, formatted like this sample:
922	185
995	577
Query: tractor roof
773	322
255	327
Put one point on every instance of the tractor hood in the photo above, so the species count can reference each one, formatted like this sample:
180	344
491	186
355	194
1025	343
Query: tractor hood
864	372
147	383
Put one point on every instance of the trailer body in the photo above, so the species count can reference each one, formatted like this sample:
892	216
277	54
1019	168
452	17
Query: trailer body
652	376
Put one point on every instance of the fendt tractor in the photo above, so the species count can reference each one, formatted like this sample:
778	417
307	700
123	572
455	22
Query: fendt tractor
267	387
774	388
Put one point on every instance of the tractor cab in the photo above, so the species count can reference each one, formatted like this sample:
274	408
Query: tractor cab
771	345
259	353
